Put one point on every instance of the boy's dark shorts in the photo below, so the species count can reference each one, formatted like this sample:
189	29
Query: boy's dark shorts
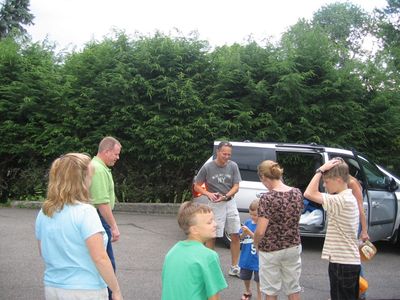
246	274
344	281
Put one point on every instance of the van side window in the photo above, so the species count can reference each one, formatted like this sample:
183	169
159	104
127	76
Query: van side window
375	178
248	158
298	167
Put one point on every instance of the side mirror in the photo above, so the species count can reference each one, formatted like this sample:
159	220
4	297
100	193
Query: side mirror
392	185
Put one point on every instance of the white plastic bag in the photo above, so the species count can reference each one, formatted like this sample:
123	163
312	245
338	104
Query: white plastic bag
312	218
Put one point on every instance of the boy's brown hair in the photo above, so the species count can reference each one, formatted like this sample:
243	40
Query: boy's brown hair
341	170
254	205
187	213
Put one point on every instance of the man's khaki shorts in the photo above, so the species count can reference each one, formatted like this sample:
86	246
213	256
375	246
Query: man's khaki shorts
227	216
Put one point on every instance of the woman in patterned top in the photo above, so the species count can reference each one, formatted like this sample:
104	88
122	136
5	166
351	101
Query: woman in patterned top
277	236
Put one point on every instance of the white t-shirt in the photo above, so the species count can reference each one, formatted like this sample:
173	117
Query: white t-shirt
341	243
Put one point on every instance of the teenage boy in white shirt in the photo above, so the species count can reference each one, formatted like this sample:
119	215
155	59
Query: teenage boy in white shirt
341	243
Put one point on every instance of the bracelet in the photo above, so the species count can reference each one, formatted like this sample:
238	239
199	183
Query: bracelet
319	171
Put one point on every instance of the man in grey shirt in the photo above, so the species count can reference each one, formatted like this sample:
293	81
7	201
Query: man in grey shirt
221	178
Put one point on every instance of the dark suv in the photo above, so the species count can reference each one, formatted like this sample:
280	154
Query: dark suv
380	188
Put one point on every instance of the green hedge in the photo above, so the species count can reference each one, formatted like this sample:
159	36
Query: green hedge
167	99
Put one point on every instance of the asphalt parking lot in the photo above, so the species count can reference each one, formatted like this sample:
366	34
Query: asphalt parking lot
145	239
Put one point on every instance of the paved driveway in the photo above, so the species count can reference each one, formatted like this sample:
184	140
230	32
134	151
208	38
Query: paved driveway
144	241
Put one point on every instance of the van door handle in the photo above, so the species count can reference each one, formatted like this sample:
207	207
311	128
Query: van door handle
375	204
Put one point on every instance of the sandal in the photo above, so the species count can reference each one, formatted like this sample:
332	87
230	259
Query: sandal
246	296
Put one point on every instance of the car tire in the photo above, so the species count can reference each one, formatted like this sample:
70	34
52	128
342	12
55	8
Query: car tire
398	238
226	240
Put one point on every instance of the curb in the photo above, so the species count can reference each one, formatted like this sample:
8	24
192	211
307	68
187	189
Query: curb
141	208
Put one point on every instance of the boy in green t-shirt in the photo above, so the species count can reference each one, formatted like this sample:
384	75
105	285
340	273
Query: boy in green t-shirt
191	270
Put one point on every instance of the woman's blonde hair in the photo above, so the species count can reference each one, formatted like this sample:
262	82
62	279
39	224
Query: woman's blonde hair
270	169
68	182
187	213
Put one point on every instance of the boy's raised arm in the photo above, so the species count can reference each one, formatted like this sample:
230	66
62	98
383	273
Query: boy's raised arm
312	191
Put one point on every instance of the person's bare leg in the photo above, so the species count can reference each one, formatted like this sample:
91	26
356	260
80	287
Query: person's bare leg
272	297
210	244
259	297
235	249
295	296
247	286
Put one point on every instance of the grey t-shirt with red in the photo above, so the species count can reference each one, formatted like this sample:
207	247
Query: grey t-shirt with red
219	179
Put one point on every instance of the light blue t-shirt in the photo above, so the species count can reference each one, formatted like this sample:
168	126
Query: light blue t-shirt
62	241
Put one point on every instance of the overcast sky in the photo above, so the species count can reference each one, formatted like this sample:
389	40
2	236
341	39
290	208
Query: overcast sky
71	23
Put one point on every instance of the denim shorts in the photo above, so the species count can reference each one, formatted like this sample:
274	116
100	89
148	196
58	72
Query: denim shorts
246	274
344	281
279	269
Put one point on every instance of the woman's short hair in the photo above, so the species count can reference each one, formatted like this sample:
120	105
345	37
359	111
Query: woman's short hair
270	169
68	182
187	214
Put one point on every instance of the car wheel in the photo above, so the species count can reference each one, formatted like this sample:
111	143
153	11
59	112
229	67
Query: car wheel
398	238
226	240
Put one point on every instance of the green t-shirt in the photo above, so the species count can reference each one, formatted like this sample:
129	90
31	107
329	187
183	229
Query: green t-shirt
102	187
191	271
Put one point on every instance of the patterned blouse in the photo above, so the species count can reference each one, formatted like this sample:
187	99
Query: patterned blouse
283	211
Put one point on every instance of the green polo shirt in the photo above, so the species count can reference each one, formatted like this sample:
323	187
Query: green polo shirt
102	187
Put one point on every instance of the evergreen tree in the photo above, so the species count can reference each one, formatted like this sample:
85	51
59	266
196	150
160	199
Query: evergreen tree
13	15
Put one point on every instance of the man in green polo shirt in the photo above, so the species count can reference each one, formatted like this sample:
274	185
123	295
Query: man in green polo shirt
102	190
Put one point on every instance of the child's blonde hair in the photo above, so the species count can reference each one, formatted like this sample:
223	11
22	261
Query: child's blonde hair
254	205
187	213
341	170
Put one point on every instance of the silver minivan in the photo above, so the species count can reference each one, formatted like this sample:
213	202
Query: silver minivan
380	188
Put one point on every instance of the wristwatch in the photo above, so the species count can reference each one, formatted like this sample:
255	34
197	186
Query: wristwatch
226	198
319	171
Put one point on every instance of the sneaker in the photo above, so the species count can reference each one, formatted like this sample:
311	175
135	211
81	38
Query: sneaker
234	271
